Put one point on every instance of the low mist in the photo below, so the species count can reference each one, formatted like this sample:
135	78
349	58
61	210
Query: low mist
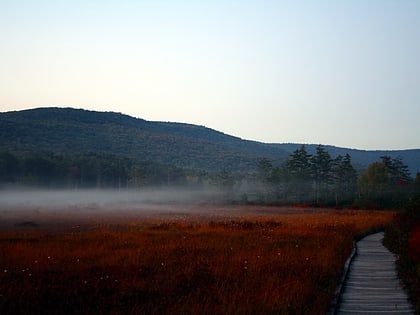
56	208
103	199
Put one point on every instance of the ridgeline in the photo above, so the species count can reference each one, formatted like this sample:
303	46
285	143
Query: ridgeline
75	131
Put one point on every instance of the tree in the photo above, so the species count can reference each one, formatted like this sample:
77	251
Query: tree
386	183
344	177
398	171
321	164
374	179
298	168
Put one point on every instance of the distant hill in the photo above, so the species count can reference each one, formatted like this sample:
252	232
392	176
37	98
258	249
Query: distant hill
70	130
184	145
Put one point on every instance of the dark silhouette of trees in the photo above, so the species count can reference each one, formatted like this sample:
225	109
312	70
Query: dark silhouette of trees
305	178
85	170
299	171
398	172
316	179
344	180
322	165
386	183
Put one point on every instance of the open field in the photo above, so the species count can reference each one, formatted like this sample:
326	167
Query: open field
187	259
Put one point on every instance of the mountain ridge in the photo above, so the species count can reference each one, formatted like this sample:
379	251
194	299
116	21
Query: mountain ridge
66	129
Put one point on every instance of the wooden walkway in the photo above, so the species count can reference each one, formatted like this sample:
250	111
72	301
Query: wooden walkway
372	285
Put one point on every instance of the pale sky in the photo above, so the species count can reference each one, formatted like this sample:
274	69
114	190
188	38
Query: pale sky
339	72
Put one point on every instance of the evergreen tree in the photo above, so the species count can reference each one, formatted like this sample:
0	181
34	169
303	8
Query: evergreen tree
299	171
397	170
321	164
344	178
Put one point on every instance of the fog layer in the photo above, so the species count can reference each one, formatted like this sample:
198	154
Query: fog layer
106	199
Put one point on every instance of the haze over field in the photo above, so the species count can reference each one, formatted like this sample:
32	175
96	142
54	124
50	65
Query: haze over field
339	73
32	208
103	199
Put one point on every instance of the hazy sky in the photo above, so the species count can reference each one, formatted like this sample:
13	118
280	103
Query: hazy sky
345	73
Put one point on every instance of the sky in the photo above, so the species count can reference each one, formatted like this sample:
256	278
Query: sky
342	73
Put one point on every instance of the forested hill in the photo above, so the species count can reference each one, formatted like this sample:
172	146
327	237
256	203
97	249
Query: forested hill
68	130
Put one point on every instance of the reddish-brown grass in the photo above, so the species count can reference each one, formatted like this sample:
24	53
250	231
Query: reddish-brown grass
245	264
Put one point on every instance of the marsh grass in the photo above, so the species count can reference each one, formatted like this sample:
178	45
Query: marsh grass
251	264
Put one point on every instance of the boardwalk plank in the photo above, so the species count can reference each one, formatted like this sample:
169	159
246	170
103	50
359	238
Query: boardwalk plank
372	285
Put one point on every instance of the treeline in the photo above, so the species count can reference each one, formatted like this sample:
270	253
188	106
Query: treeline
321	180
306	178
309	179
88	170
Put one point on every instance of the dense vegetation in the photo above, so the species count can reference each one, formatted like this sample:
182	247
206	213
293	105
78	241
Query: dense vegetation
403	238
320	179
76	131
70	148
303	178
87	170
73	131
255	264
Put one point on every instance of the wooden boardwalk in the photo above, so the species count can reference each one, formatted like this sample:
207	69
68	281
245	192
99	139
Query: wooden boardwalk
372	285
